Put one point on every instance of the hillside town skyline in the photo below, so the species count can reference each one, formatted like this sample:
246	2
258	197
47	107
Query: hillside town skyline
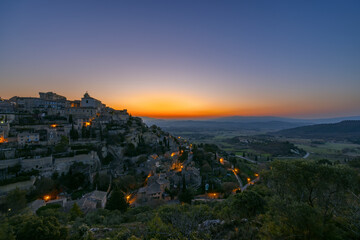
182	119
32	97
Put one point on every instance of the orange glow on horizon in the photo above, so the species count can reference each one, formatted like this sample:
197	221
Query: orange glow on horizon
185	103
171	104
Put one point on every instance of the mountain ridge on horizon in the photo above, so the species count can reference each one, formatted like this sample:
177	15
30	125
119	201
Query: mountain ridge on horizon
344	130
238	118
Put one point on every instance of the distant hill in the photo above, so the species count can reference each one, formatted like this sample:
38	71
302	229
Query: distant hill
345	130
210	125
284	119
239	123
259	119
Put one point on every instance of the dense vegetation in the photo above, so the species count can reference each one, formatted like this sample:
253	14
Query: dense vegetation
267	145
293	200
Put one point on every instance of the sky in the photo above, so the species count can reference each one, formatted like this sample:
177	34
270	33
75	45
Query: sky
187	59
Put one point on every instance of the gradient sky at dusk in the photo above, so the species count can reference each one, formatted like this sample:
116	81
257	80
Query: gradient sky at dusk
187	58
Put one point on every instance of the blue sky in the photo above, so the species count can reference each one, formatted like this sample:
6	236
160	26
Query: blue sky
187	58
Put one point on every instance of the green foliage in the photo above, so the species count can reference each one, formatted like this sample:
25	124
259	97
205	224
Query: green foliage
296	220
101	182
160	230
6	231
14	180
355	163
15	201
53	210
74	135
75	178
308	199
141	148
75	212
62	145
31	227
293	200
85	132
105	217
47	207
129	182
184	218
248	204
275	148
186	196
306	181
117	201
44	186
184	156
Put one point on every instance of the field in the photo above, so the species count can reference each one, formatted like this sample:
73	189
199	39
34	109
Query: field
336	151
317	149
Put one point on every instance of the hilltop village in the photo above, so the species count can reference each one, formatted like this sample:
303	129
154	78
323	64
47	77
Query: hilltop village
80	170
66	152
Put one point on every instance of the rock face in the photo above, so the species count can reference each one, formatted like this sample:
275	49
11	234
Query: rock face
209	224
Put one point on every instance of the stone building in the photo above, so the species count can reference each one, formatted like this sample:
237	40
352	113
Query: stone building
27	137
89	102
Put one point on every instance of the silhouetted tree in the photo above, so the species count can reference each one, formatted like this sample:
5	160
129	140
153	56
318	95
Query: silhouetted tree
117	201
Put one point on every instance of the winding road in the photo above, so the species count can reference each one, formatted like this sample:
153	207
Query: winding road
247	159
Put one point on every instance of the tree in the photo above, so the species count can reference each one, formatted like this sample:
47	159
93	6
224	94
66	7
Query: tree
310	202
74	135
228	187
184	156
62	145
85	132
15	201
6	232
71	118
39	228
316	184
185	218
53	210
185	195
160	230
117	201
75	212
296	220
101	181
44	186
248	204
